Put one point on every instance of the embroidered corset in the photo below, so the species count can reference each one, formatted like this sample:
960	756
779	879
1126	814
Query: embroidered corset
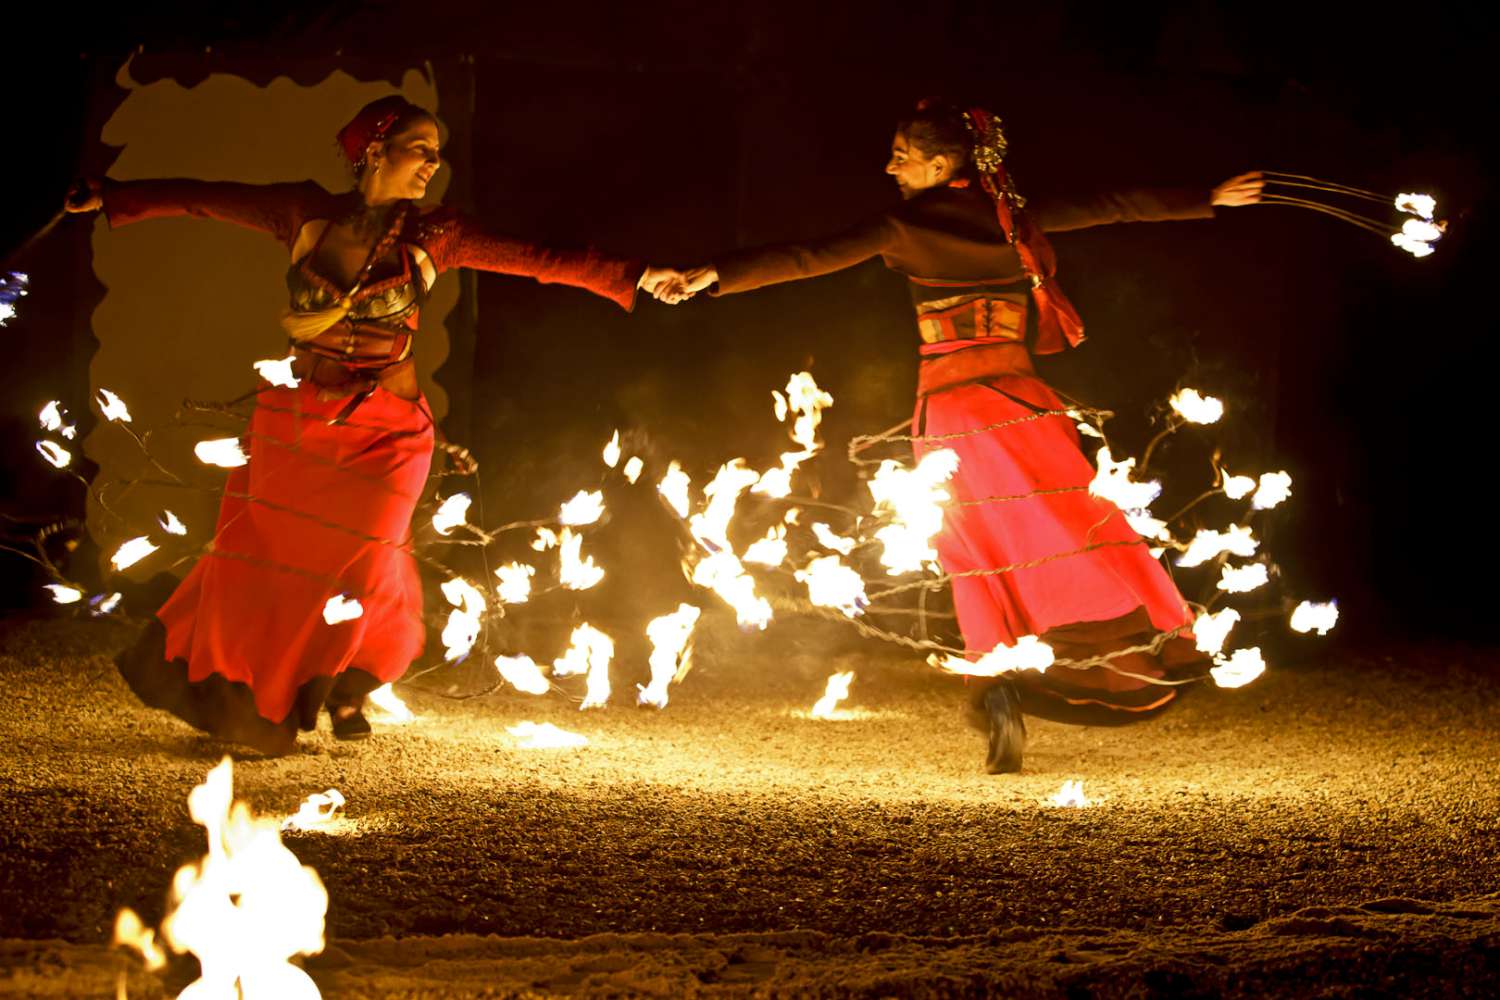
377	332
963	310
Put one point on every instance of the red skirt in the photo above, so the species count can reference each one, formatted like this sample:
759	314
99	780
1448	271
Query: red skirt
1083	600
241	649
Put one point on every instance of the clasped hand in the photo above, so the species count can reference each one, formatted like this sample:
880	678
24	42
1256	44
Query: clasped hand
672	286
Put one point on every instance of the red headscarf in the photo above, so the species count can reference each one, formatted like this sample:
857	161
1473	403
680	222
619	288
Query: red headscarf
372	124
1058	323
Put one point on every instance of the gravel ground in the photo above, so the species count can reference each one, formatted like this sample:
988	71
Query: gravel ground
1330	830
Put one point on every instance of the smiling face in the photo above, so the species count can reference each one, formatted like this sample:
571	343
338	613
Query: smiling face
913	170
403	165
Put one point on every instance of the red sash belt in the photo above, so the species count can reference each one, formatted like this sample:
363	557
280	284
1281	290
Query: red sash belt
952	363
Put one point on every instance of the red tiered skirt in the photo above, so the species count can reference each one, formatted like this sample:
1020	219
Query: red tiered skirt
241	649
1082	600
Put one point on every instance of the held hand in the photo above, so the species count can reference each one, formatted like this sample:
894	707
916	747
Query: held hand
1242	190
667	284
85	195
700	278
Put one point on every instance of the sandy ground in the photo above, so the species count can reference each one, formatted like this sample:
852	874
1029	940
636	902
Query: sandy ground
1331	830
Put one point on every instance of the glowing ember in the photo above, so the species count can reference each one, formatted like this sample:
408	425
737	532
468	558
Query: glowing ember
342	608
245	909
451	513
1239	669
633	469
831	584
1243	579
1210	631
1029	653
389	705
722	573
1195	408
112	406
836	691
226	453
915	498
1071	795
1319	618
545	736
132	552
576	571
545	539
63	594
591	650
51	416
515	582
670	653
1238	487
318	809
278	372
1207	543
770	550
1421	205
522	673
831	541
585	508
612	451
58	456
1112	482
171	524
1274	488
462	630
674	487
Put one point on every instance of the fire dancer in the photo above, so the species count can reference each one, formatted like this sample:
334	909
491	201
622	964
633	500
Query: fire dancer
981	275
320	516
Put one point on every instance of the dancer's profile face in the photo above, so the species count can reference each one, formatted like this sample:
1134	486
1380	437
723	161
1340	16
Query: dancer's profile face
913	170
406	165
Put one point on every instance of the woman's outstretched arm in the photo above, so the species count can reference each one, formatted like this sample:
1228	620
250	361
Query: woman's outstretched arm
1144	205
276	209
743	270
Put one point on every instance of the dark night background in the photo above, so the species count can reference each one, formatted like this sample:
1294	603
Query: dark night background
673	130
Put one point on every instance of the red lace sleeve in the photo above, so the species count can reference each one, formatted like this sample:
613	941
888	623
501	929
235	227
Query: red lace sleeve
277	209
455	240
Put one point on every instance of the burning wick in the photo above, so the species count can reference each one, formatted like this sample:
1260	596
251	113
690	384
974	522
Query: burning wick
132	552
63	594
171	523
633	469
545	736
1319	618
453	512
58	456
1071	794
836	691
612	451
342	608
226	453
113	407
318	809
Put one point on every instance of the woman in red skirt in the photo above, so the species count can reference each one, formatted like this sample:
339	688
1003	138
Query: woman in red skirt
322	511
980	273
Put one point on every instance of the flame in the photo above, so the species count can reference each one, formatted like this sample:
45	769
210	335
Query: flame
770	550
674	487
832	541
1421	230
1274	488
1113	483
226	453
1207	543
1029	653
1243	579
63	594
58	456
389	705
1414	247
779	404
670	653
453	512
1210	630
804	398
585	508
793	516
545	539
915	498
112	406
522	673
576	571
342	608
171	524
612	451
720	570
1421	205
462	630
836	691
1238	487
1143	524
633	469
722	573
278	372
51	416
105	604
1071	794
132	552
711	525
590	650
318	809
1195	408
1239	669
245	909
1310	617
131	933
1084	427
515	582
831	584
545	736
777	482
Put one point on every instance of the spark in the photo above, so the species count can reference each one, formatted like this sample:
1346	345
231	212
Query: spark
836	691
1274	488
576	571
545	736
112	406
515	582
1196	408
522	673
1207	543
831	584
342	608
585	508
132	552
1243	579
451	513
1211	630
318	809
670	652
1071	795
278	372
612	451
226	453
1239	669
63	594
58	456
1029	653
171	524
674	487
633	469
1310	617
